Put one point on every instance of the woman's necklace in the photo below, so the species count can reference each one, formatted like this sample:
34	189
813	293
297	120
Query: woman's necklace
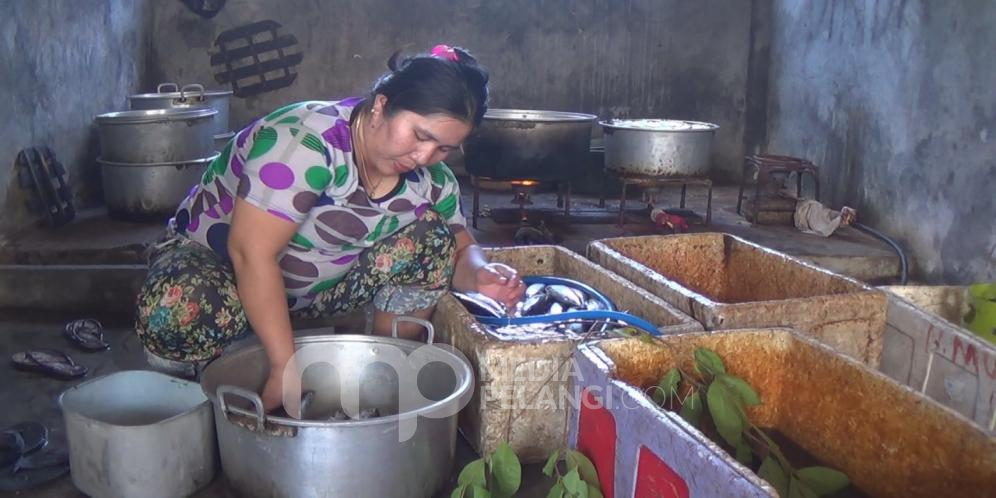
361	159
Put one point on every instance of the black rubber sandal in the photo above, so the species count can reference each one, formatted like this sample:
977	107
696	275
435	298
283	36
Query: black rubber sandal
87	334
50	362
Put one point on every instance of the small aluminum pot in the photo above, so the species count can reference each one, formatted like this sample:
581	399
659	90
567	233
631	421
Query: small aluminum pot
407	451
140	191
169	96
658	147
156	136
139	434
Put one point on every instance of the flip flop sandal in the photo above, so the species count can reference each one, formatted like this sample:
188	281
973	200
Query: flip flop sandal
35	470
11	449
87	334
49	362
33	436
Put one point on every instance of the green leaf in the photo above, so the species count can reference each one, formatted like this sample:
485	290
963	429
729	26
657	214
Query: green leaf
551	463
473	474
557	491
458	492
666	386
692	409
480	492
574	485
741	388
594	491
772	472
707	361
823	480
744	454
507	471
578	460
725	413
797	489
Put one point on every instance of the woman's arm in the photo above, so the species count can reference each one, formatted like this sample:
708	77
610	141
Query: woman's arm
473	273
255	241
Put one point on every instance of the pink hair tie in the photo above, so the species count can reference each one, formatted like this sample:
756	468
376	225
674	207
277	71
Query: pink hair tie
445	52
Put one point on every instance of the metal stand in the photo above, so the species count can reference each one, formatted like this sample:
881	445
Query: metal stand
522	198
766	164
654	182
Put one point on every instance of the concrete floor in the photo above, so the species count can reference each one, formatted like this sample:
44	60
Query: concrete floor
93	267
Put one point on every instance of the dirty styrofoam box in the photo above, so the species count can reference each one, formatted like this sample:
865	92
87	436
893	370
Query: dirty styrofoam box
726	282
927	350
888	439
521	383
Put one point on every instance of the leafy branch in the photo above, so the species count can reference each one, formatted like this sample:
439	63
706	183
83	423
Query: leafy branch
725	402
580	480
497	475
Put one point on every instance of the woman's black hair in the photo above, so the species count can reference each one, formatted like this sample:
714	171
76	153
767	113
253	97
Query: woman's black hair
426	84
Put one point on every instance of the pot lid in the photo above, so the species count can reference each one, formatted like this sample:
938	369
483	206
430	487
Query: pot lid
175	95
156	115
537	116
669	125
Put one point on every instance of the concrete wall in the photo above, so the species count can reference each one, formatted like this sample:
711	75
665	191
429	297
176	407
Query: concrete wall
613	58
62	63
896	101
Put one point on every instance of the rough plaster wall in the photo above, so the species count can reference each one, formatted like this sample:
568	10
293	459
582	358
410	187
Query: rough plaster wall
613	58
896	101
63	62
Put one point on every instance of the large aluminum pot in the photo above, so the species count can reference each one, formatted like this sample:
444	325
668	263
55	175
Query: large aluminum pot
156	136
170	96
275	456
135	191
513	144
658	147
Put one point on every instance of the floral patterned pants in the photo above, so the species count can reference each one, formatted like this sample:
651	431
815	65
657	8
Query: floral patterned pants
189	309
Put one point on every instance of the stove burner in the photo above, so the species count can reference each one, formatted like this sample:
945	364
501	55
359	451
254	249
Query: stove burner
522	191
653	183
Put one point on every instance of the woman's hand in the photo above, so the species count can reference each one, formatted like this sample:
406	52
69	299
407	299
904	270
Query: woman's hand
273	391
501	283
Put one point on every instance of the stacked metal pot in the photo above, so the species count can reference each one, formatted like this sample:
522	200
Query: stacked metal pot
150	156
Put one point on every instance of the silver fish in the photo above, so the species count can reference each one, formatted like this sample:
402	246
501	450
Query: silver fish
534	305
368	413
593	305
481	305
565	295
555	309
534	289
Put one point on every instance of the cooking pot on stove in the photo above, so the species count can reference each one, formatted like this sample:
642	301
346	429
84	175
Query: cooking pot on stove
658	147
406	451
515	144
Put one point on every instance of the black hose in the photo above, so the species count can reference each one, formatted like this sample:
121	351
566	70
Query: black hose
903	268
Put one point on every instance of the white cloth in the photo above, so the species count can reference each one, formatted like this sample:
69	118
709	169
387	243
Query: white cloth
813	217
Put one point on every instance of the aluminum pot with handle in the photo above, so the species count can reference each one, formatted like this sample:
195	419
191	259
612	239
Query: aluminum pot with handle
408	450
658	147
170	96
156	136
149	190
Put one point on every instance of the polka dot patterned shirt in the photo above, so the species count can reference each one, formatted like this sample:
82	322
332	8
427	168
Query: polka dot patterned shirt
297	163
